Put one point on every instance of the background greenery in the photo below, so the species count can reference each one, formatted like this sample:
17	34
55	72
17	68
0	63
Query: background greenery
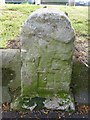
13	16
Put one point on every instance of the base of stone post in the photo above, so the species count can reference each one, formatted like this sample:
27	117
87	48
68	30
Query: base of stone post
63	102
47	47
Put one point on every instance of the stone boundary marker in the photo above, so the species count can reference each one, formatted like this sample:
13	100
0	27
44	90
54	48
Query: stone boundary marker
47	47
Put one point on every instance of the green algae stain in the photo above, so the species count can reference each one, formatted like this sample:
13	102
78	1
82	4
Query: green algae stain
7	75
50	71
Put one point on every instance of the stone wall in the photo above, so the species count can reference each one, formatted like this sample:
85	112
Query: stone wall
10	68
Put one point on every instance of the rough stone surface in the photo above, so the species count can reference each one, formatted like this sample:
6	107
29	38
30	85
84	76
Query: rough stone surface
80	83
10	70
47	47
5	94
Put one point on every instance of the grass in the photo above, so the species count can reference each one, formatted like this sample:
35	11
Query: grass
13	16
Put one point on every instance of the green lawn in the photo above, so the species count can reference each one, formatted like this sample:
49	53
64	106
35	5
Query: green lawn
12	17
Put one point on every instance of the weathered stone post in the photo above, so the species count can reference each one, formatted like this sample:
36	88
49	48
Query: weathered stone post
47	47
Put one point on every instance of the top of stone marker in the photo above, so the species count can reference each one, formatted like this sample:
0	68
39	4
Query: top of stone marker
47	24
